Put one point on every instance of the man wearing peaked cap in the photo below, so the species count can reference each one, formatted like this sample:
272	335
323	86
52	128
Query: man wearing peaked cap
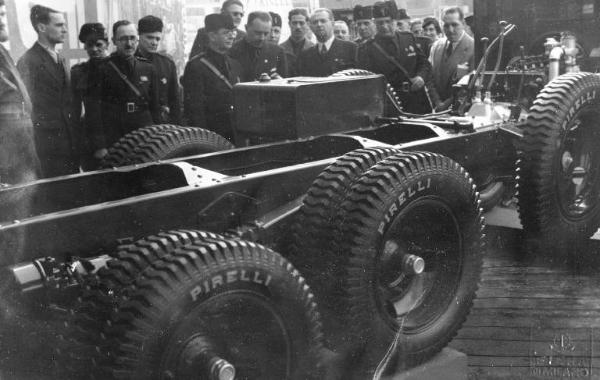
363	17
397	56
83	76
209	77
275	28
150	29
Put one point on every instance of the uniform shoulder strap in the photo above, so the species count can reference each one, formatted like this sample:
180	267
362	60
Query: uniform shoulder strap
133	88
391	59
216	71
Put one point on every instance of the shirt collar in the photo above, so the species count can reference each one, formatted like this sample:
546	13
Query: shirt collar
53	53
327	43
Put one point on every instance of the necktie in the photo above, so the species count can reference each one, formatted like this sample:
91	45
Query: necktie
449	50
323	50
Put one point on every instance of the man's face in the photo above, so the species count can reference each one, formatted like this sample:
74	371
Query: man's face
149	41
96	49
429	31
340	31
453	26
417	29
366	28
385	26
56	29
222	39
3	24
236	12
275	34
321	25
126	40
258	32
403	25
298	27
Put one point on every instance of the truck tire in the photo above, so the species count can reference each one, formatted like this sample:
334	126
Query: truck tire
217	299
163	142
79	348
558	171
419	204
316	225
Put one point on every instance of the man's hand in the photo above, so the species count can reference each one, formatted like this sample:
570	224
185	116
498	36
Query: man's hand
417	83
100	153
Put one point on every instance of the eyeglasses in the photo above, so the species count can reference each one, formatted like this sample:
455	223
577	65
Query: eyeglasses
127	39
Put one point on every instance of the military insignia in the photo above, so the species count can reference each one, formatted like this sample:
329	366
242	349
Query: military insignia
144	78
163	80
411	49
266	61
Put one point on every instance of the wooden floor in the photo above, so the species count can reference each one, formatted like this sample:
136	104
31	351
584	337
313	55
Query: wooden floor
535	317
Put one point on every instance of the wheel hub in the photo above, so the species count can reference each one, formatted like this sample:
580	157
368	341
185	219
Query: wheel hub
199	359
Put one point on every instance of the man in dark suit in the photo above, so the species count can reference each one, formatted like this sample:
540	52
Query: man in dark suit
397	56
235	9
18	159
47	77
150	29
209	77
450	57
255	54
126	91
298	21
330	54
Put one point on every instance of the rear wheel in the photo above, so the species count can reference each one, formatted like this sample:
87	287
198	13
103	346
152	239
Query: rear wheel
217	301
163	142
558	174
412	237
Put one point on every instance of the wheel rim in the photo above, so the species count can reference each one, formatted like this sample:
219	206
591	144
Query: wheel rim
577	166
241	328
426	229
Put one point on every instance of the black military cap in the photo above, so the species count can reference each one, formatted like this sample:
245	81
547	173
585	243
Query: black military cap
363	13
402	15
92	30
216	21
385	9
275	19
150	24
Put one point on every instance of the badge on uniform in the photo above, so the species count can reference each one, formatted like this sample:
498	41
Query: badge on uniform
411	50
163	80
143	78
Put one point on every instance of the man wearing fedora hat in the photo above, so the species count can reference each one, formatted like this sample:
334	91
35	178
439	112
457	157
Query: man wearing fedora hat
209	77
397	56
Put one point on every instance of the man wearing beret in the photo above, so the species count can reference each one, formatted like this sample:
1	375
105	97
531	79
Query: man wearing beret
397	56
255	54
209	77
330	54
18	159
275	28
363	17
298	21
150	29
83	75
47	76
233	8
126	91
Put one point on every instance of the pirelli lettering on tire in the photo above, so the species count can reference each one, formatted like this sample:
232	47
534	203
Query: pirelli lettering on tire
419	187
230	277
584	99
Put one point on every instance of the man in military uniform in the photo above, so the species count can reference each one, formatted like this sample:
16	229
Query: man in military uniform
396	55
363	16
150	30
233	8
209	77
47	77
18	159
254	53
298	21
329	54
276	23
126	91
83	75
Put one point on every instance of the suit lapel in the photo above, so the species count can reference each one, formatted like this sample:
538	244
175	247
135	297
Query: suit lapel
48	63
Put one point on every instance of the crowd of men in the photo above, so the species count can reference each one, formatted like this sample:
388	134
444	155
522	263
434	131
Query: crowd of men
73	116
